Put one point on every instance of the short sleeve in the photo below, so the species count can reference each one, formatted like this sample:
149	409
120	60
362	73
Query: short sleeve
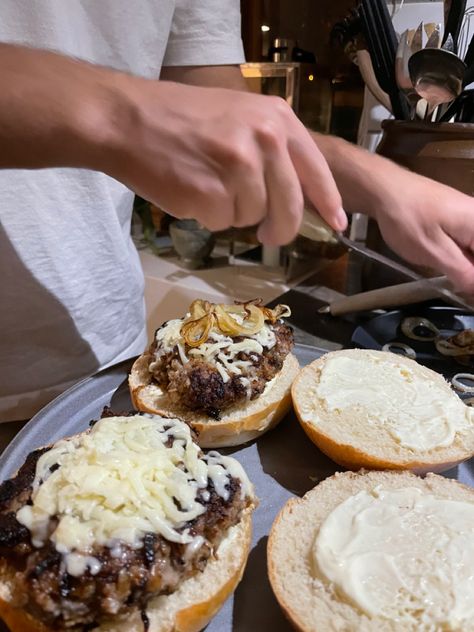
205	33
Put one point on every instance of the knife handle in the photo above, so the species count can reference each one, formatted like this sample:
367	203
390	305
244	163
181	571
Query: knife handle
392	296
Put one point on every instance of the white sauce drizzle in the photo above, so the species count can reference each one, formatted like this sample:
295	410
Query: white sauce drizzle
219	349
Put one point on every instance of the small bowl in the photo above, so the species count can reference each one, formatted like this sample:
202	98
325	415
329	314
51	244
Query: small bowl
192	242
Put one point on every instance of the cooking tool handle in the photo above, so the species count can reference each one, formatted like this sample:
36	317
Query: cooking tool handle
469	75
454	21
392	296
366	68
469	57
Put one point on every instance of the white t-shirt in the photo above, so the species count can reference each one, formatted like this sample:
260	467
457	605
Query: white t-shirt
71	283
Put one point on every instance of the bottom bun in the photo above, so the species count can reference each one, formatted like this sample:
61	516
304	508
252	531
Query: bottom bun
314	603
237	425
189	609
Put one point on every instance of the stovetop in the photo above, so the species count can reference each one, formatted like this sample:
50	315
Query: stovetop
345	276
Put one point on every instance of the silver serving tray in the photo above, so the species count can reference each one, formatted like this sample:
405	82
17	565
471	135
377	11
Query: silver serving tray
281	464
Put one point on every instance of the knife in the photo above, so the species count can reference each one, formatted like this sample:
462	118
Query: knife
432	283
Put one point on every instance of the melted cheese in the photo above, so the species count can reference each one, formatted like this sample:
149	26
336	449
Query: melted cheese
403	555
219	350
420	413
119	482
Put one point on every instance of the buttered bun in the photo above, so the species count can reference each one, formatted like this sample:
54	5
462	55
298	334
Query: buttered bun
379	410
376	551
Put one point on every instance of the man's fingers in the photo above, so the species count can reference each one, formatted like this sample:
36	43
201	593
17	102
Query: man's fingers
251	200
458	265
285	201
316	178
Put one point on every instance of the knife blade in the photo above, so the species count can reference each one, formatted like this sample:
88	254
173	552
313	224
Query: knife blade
432	283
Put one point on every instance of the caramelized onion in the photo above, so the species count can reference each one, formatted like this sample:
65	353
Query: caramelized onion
412	322
407	350
241	319
252	319
459	386
461	344
195	332
199	308
280	311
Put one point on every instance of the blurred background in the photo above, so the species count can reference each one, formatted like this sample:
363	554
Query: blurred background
330	90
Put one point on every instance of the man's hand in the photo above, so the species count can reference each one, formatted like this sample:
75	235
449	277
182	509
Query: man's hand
425	222
223	157
431	225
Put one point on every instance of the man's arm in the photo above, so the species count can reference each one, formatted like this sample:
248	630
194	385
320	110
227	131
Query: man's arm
225	158
54	111
426	222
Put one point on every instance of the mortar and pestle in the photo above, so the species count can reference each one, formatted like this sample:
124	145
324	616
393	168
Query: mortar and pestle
192	242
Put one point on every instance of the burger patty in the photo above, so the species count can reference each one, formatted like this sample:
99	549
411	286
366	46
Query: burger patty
198	385
127	578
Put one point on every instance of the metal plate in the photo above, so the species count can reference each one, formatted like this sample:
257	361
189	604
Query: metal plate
281	464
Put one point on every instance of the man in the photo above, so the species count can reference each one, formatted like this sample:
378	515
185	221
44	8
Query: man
76	139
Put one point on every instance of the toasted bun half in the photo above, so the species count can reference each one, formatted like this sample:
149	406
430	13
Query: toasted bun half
189	609
237	425
309	601
348	437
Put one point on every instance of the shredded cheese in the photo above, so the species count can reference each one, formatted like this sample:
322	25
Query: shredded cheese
220	350
120	481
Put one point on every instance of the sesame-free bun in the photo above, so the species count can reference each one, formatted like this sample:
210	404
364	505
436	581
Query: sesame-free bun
189	609
347	436
310	602
237	425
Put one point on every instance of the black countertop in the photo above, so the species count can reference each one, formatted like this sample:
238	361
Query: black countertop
332	279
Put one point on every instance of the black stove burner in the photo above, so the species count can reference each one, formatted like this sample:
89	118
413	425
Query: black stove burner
380	330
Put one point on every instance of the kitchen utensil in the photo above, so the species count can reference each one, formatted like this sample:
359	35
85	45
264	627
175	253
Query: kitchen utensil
416	42
461	110
392	296
437	76
366	68
448	44
439	286
469	56
434	40
404	52
469	61
454	22
469	75
432	283
382	44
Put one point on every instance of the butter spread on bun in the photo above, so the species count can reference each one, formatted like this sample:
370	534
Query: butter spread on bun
373	551
377	409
